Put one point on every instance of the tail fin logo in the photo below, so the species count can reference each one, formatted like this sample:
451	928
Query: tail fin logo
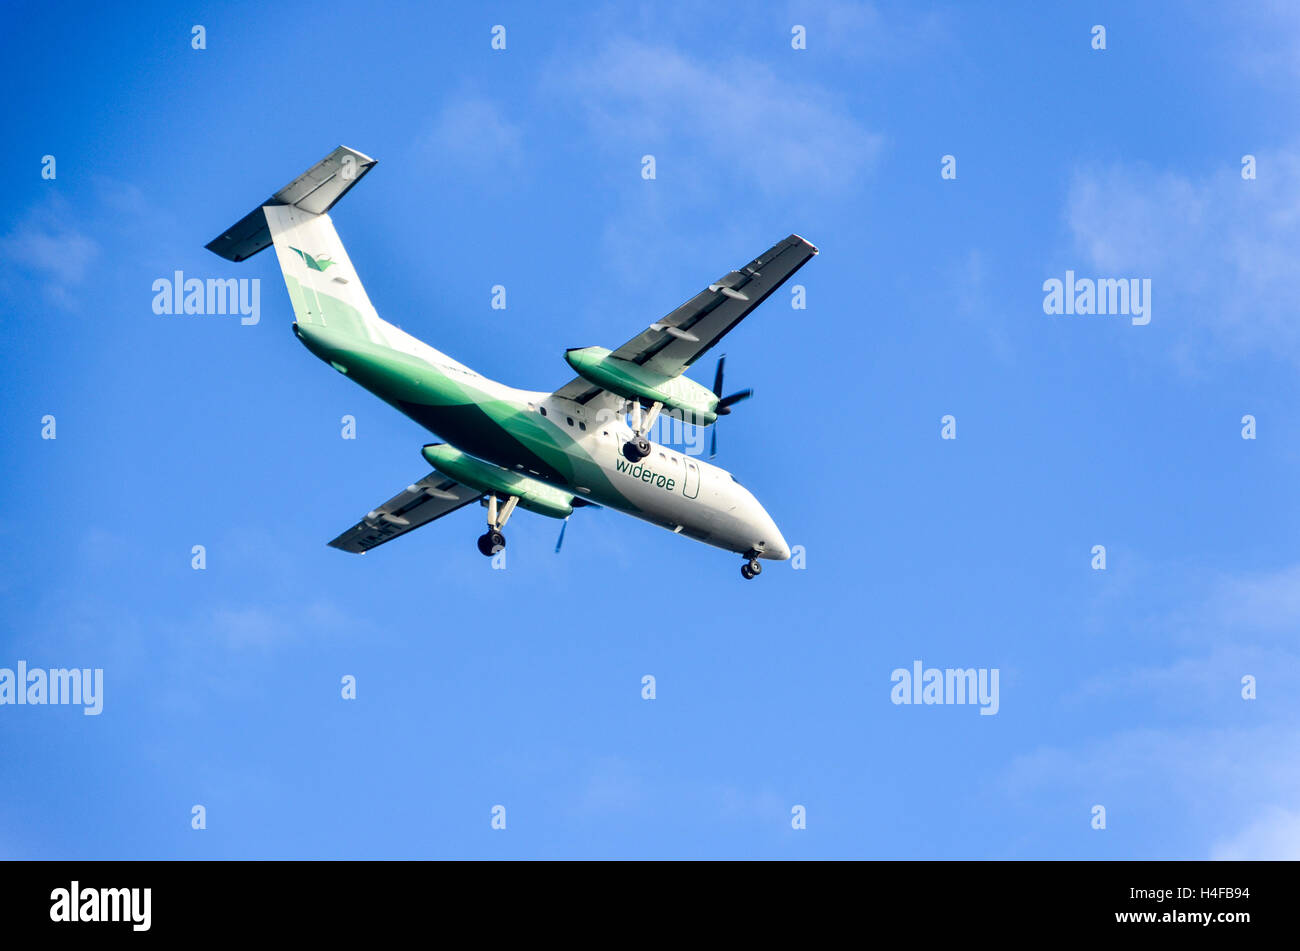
315	263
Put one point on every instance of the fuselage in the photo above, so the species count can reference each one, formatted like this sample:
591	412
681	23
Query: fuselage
573	446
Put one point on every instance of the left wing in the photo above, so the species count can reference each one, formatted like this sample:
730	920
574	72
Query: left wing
669	346
431	498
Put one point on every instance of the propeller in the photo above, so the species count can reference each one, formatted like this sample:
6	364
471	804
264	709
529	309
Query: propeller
577	504
724	402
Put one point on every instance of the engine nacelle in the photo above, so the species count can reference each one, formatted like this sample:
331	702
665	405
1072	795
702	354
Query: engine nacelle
534	495
697	403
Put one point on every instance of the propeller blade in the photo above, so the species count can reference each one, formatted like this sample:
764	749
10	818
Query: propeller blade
725	404
560	541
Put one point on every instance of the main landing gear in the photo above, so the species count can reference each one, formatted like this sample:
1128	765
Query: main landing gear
751	569
638	447
492	541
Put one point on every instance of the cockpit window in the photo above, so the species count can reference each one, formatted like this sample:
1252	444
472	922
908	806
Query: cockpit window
737	481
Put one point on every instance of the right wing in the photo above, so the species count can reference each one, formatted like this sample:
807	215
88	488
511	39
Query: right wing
431	498
670	345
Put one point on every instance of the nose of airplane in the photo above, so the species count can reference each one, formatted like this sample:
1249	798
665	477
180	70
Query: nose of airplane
774	546
777	549
759	531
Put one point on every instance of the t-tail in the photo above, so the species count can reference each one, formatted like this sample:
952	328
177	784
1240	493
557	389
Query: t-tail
322	284
331	309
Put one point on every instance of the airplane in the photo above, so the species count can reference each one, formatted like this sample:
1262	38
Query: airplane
504	448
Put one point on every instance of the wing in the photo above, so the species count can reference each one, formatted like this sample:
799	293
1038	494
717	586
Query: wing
669	346
432	497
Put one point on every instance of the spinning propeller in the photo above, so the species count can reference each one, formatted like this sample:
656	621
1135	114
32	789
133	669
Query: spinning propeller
577	504
724	402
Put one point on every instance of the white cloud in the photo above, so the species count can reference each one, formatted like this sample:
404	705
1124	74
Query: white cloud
1274	835
1220	250
1225	762
966	283
473	132
1266	601
248	626
1265	39
52	249
266	626
1191	683
1209	779
60	244
725	122
856	30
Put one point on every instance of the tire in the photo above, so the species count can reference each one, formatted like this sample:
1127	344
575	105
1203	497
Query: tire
489	543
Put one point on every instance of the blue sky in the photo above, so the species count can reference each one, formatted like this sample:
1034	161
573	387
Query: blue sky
522	687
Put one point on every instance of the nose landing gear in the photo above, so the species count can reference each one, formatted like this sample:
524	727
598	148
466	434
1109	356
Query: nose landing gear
751	569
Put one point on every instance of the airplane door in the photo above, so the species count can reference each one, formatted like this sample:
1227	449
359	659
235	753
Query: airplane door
691	485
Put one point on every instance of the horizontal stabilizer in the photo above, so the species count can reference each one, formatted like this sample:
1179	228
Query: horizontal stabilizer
315	192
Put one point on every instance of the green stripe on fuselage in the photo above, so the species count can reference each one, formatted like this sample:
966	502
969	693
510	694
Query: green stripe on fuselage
448	404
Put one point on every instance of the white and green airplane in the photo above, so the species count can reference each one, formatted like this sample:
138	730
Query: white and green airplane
545	452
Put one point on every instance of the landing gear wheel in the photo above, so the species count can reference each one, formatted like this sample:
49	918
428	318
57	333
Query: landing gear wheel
751	569
636	449
489	543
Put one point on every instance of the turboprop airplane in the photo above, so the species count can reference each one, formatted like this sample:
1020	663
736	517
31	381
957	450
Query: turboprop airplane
505	447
